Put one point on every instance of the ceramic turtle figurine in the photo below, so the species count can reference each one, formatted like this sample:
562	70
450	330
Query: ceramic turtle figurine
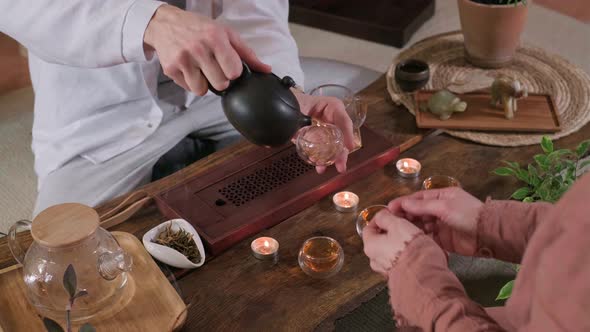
444	103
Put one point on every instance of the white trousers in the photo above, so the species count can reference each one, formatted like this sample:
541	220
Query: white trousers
81	181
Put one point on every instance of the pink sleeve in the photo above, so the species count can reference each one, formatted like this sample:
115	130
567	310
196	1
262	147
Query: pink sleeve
557	272
505	227
426	294
560	299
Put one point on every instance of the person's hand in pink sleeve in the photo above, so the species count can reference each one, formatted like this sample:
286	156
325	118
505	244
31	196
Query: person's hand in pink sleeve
423	292
449	215
385	238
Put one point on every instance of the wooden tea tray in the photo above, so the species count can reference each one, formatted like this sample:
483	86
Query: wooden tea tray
259	189
150	302
536	113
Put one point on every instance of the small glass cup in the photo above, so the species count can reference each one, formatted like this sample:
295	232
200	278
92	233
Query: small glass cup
365	216
321	257
356	110
319	144
439	182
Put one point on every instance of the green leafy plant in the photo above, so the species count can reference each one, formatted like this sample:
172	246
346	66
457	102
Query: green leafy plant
546	180
506	290
550	176
70	283
515	2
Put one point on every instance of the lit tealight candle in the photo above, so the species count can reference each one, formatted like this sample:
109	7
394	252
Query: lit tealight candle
265	248
408	167
345	201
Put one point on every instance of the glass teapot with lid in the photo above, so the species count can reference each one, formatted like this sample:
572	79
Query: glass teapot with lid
70	234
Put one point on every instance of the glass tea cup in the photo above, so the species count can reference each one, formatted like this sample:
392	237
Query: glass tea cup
355	109
439	182
319	144
321	257
365	217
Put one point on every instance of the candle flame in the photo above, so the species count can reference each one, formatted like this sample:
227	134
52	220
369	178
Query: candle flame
346	196
266	244
406	164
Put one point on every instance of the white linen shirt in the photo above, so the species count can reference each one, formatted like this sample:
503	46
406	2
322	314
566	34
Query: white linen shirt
95	90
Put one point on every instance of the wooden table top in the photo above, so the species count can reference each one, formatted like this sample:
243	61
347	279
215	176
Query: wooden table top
235	291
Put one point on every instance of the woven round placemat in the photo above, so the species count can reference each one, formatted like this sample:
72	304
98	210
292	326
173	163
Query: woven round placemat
538	70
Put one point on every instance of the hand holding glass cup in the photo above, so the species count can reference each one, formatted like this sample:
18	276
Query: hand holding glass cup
319	144
365	217
355	109
322	143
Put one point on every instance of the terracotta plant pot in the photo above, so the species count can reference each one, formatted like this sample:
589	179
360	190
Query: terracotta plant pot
492	32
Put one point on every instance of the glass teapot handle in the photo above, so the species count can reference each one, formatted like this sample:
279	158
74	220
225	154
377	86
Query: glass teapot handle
245	73
112	263
14	243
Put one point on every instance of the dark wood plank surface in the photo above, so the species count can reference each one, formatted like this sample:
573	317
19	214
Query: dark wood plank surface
383	21
235	291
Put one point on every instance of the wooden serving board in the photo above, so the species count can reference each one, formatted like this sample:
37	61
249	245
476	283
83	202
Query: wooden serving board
150	303
536	113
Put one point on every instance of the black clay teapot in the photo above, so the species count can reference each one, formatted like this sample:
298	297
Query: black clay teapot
262	108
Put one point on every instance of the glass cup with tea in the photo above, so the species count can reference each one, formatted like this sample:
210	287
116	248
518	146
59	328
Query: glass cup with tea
439	182
365	217
356	110
319	144
321	257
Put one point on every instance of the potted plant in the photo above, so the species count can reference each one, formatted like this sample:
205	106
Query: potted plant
492	30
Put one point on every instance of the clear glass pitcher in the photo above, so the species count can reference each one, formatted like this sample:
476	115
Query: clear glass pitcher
69	234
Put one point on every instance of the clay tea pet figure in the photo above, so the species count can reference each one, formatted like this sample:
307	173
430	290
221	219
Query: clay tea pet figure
444	104
505	93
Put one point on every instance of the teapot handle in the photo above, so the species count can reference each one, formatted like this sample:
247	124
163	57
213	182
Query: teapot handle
112	264
14	243
245	73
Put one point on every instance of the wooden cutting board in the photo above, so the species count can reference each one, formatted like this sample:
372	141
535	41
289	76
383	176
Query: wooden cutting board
150	303
536	113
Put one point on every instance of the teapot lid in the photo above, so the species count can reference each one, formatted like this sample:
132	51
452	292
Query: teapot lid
64	225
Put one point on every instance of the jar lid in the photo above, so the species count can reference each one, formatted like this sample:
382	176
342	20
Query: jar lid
64	225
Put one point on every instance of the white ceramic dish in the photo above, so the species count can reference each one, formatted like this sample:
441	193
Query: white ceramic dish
168	255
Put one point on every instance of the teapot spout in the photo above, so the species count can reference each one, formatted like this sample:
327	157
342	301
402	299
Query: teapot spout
15	241
112	264
305	121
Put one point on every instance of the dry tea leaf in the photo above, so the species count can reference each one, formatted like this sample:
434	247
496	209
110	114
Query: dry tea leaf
181	241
